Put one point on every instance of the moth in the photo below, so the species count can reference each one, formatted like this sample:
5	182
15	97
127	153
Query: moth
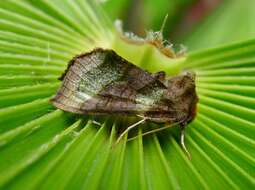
101	82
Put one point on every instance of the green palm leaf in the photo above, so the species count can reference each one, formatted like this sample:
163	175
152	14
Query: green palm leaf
41	147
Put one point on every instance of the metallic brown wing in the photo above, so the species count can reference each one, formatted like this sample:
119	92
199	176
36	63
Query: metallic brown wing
103	78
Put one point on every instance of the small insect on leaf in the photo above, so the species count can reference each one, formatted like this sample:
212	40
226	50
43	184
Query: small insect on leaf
101	82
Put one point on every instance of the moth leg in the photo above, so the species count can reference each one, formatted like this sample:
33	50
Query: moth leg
96	123
182	135
140	115
154	131
129	128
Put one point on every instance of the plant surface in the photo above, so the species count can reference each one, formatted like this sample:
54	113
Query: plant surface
45	148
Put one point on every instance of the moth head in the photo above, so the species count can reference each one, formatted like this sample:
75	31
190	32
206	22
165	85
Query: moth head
182	91
180	85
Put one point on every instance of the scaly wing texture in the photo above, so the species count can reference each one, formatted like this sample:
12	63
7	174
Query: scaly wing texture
41	147
101	82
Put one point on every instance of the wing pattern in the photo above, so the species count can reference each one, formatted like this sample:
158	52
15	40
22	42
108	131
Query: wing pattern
101	82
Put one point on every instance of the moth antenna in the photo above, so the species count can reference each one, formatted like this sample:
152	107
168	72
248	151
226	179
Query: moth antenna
182	135
129	128
153	131
163	24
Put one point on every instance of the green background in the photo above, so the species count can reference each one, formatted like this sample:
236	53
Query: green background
45	148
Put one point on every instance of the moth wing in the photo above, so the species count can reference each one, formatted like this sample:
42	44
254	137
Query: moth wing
103	82
106	102
106	105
